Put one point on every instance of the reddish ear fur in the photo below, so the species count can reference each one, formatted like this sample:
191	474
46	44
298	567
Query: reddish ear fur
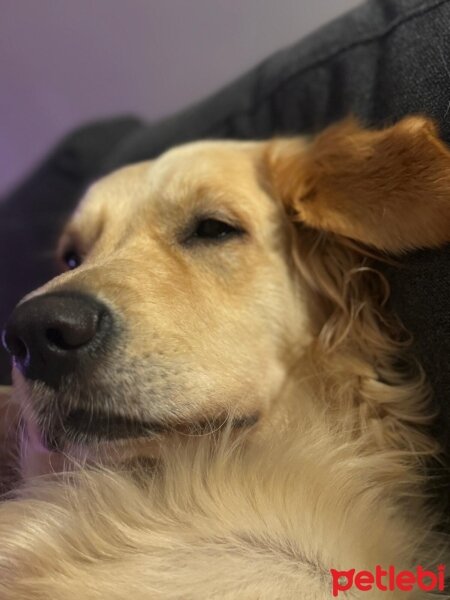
389	188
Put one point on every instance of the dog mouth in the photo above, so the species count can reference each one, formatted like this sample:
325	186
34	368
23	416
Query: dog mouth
83	428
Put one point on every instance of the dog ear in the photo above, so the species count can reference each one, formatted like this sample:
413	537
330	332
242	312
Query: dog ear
388	188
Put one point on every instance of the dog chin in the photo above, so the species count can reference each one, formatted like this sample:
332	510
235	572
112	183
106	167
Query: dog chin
38	459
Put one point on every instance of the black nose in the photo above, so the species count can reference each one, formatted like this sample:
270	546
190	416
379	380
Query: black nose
56	334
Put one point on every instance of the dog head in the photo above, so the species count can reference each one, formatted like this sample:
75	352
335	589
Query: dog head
180	302
175	305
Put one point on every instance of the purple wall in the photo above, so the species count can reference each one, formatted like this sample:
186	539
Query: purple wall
63	62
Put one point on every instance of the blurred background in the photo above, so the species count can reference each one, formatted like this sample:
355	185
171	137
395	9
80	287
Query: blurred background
65	62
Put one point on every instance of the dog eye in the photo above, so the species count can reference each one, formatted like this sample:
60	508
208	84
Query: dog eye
71	259
214	230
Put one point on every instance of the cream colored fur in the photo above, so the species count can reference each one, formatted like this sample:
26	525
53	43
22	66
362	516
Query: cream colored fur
331	476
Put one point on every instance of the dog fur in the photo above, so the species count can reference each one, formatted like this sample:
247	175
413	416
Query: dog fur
282	331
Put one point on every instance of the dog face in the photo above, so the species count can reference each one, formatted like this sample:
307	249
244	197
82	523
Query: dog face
181	303
181	307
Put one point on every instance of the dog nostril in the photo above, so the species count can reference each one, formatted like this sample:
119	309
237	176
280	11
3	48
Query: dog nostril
17	348
72	334
56	338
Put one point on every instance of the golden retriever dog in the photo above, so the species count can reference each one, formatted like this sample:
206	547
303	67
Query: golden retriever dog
211	400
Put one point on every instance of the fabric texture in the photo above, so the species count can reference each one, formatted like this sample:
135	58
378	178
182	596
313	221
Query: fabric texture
380	62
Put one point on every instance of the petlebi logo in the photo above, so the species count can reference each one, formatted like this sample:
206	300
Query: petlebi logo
388	579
